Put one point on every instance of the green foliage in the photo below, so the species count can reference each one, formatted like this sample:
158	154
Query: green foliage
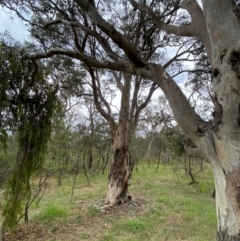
79	218
93	211
176	138
27	108
136	225
51	212
108	237
7	159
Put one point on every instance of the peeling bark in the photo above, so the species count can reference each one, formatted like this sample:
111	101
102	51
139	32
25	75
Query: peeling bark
119	176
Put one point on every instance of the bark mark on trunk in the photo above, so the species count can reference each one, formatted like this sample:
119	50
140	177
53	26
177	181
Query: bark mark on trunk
120	173
223	235
235	62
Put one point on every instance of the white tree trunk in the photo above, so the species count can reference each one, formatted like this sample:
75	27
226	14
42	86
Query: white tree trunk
224	157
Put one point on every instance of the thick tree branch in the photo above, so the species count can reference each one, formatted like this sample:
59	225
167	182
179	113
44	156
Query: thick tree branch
101	96
180	31
118	80
135	96
194	151
191	124
125	101
196	28
119	66
109	29
104	114
142	106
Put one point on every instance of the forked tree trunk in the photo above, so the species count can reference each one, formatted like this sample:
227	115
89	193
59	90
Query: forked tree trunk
119	175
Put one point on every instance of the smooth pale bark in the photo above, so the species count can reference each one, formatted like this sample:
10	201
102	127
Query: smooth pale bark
216	141
224	35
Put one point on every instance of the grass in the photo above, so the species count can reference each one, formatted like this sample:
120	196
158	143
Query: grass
93	211
51	212
165	208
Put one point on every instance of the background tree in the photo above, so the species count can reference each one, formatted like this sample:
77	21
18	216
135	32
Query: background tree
27	111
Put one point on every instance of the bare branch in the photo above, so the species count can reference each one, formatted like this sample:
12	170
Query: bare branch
178	55
104	43
193	151
191	71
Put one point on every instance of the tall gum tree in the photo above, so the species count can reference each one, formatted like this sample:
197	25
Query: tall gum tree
70	30
216	25
122	130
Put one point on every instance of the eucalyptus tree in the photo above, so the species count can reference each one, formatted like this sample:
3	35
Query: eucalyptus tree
65	28
215	25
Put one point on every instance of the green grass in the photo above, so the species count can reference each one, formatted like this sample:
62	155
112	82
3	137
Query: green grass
93	211
165	207
50	213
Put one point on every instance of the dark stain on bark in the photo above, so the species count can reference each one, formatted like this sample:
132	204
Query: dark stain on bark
222	55
223	235
238	196
121	169
236	10
233	192
217	114
234	91
238	120
215	72
200	131
235	62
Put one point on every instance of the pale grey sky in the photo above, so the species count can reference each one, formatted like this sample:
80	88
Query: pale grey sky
14	25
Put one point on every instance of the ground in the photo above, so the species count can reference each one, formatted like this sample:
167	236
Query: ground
164	207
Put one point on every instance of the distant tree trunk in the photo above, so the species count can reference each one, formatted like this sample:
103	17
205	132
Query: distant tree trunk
26	218
60	177
90	157
2	231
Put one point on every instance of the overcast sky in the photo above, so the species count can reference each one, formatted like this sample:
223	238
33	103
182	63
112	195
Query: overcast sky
13	25
18	30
